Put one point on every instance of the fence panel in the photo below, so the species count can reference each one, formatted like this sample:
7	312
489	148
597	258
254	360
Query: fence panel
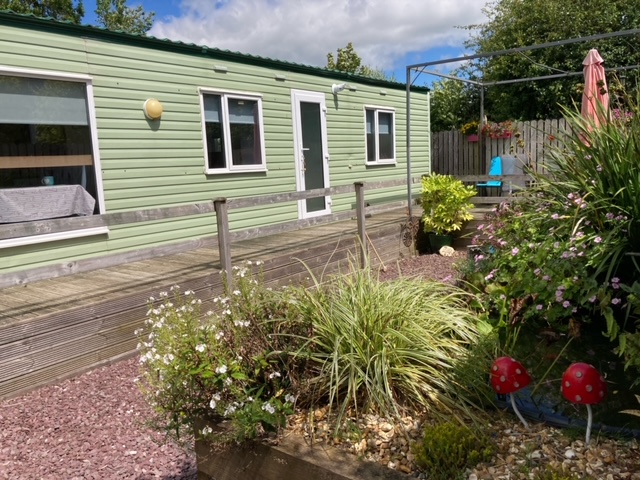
455	154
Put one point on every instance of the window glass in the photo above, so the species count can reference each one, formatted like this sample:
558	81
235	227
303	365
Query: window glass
385	135
380	135
234	122
45	132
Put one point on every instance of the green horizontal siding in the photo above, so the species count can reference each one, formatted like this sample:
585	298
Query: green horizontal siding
158	164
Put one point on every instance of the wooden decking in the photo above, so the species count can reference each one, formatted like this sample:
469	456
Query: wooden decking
56	328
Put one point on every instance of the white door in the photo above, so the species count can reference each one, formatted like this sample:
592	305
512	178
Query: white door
311	155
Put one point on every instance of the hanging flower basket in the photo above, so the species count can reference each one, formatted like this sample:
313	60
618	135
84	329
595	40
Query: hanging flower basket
498	130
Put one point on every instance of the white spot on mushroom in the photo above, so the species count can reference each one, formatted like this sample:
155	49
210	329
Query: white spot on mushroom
495	368
516	384
503	378
588	388
578	398
498	387
602	393
567	384
518	371
579	374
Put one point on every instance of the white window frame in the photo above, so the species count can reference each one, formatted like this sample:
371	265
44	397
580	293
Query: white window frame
225	95
88	81
376	110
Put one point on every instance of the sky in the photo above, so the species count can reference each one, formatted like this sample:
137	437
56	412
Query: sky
386	34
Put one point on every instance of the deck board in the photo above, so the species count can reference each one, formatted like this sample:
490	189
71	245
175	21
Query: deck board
50	329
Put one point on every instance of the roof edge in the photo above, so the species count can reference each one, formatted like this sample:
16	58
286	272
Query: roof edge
8	17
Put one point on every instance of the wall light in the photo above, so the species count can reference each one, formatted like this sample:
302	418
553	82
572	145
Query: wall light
338	87
152	109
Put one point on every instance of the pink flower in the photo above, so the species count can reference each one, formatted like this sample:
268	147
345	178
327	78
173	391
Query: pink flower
514	251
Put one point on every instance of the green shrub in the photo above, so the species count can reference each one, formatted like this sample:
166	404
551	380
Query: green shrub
558	254
445	202
382	346
447	449
226	366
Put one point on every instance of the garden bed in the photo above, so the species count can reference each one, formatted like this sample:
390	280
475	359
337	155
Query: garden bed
92	427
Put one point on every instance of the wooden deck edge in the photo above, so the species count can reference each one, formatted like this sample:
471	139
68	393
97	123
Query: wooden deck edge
106	329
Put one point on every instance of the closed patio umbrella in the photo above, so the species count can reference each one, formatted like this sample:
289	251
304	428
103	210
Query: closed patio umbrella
595	89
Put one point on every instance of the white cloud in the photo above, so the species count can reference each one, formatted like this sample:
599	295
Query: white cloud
304	31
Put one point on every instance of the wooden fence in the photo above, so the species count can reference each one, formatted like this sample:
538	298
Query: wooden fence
452	153
224	236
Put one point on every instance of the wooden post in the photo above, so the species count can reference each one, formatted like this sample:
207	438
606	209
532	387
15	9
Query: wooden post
224	246
360	216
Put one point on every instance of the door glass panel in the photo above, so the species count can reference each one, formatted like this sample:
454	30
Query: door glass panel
310	121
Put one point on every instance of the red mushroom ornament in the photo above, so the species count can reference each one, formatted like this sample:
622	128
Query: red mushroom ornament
583	384
507	377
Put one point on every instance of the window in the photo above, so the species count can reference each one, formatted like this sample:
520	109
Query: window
46	138
381	142
233	133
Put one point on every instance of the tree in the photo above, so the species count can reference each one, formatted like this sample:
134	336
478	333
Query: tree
516	23
453	103
115	15
64	10
349	61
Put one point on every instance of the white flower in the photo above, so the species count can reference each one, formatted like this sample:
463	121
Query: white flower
221	369
267	407
228	381
259	262
189	292
275	374
168	358
289	398
219	335
214	401
201	348
230	410
206	430
236	292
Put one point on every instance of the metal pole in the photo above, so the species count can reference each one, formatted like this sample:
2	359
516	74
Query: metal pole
224	247
362	229
409	141
480	136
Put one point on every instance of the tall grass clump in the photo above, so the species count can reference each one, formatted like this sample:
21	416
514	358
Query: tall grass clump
384	346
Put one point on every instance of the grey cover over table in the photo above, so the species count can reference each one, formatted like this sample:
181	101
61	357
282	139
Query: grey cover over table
40	203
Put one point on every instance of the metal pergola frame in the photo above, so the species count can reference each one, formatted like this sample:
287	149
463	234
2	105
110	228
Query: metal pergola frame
422	68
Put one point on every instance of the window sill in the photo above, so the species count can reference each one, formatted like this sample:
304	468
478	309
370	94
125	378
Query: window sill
381	162
224	171
52	237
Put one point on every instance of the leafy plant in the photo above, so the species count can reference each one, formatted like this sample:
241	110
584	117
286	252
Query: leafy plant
445	202
470	128
498	129
383	346
447	449
230	366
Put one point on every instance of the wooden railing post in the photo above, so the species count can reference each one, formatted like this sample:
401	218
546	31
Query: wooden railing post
360	216
224	245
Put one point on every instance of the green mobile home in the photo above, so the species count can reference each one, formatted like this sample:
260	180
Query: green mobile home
128	123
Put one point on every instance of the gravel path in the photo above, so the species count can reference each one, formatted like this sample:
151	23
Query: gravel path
90	427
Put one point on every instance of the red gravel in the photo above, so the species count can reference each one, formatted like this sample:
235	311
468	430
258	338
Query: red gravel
91	426
88	427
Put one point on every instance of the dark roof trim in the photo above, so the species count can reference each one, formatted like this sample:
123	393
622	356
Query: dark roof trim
50	25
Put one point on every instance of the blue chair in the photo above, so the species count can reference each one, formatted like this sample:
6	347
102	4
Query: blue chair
495	170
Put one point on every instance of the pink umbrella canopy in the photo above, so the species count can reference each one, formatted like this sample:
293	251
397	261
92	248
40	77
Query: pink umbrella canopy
595	88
